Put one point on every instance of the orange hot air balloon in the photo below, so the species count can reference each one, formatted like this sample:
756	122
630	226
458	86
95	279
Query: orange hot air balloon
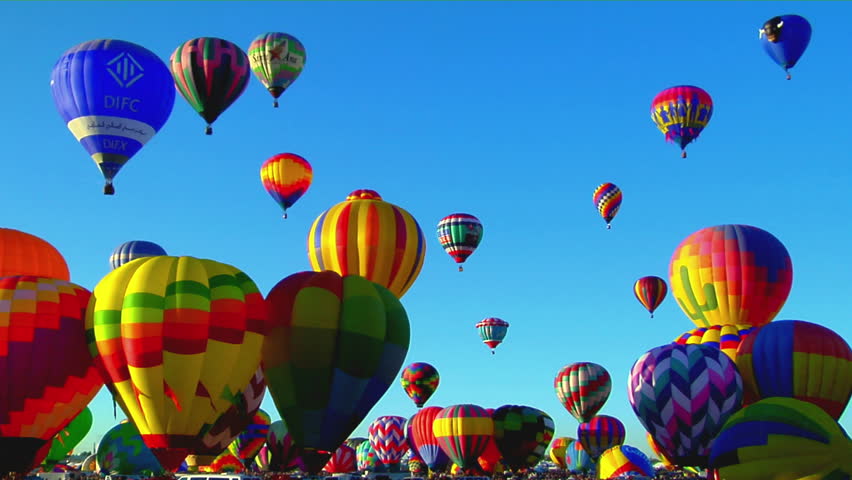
46	373
366	236
25	254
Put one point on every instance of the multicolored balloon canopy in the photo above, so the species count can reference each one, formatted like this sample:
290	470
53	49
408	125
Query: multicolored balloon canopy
121	451
367	236
387	437
420	380
650	291
624	460
731	275
682	395
336	345
460	235
599	434
277	60
682	113
522	435
492	331
784	38
463	432
286	177
726	338
582	388
607	198
797	359
211	74
424	439
558	449
114	96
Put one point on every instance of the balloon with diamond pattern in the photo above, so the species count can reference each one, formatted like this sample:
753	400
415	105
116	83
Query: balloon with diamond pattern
582	388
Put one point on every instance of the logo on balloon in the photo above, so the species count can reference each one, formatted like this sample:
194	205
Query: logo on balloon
125	70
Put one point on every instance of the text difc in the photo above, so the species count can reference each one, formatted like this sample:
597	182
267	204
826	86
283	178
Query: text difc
121	103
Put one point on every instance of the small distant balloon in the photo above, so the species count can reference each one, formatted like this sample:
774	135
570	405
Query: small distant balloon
286	177
681	113
460	235
785	38
607	199
492	331
650	291
277	60
129	251
420	380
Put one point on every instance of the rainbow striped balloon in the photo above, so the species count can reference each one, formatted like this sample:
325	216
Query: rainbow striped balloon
797	359
366	236
681	113
599	434
607	198
248	442
682	395
463	432
726	338
286	177
582	388
730	275
650	291
779	439
623	460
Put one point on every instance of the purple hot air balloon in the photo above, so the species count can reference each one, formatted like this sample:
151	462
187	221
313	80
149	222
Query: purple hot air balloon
387	437
600	433
683	394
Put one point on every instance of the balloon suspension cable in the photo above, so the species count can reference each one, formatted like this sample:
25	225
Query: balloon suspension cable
275	103
461	269
208	130
109	189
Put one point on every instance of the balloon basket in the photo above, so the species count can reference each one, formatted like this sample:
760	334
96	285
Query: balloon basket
208	130
109	189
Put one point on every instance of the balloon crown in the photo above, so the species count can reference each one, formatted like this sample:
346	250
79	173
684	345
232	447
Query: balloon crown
364	194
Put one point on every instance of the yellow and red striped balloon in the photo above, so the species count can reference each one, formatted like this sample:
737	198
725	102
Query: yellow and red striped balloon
178	338
463	432
286	177
366	236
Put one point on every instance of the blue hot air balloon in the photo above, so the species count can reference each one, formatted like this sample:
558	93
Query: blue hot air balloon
785	39
114	96
132	250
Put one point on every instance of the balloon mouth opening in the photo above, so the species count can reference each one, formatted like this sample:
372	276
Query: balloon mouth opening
275	91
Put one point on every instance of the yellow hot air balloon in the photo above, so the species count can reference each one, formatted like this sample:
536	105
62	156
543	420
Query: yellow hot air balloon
178	338
366	236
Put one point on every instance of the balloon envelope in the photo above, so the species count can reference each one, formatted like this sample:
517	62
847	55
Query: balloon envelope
121	451
277	60
607	198
419	380
114	96
785	38
650	291
599	434
730	275
424	439
286	177
682	113
129	251
460	235
22	253
463	432
387	436
623	460
522	434
69	437
582	388
726	338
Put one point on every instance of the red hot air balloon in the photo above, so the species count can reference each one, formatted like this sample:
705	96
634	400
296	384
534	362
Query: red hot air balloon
650	291
424	438
387	437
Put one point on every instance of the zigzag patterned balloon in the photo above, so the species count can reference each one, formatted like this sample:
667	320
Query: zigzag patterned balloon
683	394
387	437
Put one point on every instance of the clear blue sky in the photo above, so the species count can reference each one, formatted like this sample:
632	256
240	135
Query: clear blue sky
513	112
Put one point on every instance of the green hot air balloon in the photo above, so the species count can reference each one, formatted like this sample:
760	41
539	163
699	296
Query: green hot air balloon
335	346
522	435
64	442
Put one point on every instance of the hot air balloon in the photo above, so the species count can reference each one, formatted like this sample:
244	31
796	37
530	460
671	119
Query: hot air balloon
211	74
46	373
607	198
492	331
192	329
226	462
235	420
336	345
342	461
366	457
355	441
797	359
782	438
577	459
89	463
114	96
582	388
724	337
248	442
424	439
682	395
261	461
463	432
681	113
558	449
387	436
730	275
489	459
24	254
286	177
419	380
522	434
460	234
650	291
599	434
69	437
623	460
366	236
121	451
282	455
664	461
412	453
277	59
132	250
785	39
